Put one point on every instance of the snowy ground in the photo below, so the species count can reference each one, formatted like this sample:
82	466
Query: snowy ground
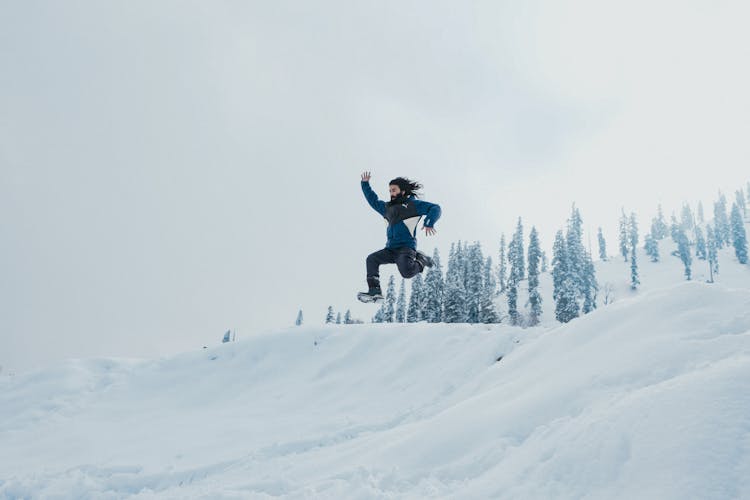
648	397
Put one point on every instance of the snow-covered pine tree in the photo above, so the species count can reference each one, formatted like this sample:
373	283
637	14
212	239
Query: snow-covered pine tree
461	267
654	229
721	222
401	303
454	301
652	247
590	285
535	299
474	282
511	292
700	244
701	216
299	318
330	318
414	313
633	236
559	261
518	259
433	291
576	253
658	225
564	290
740	195
713	254
517	271
338	318
462	257
739	235
487	311
683	248
624	235
502	269
674	228
686	217
602	245
479	262
390	301
379	315
348	317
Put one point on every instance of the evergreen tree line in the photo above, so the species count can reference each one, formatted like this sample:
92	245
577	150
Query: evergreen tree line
347	319
333	318
468	291
692	233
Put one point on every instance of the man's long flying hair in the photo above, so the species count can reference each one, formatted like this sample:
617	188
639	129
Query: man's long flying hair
408	186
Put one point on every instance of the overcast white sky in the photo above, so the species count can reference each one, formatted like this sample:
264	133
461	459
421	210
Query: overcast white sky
173	169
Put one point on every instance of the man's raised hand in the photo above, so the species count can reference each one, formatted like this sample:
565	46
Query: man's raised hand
428	230
366	176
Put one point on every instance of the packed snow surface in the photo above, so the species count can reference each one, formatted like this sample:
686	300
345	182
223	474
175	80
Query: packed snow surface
647	397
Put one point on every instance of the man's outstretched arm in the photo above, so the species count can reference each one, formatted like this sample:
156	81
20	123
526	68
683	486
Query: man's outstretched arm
370	196
431	211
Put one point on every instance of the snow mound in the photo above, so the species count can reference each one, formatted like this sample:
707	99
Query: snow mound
648	397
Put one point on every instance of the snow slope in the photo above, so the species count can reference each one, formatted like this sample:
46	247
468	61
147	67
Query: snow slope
648	397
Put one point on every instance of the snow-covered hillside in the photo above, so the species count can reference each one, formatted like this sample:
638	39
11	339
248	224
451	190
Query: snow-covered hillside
647	397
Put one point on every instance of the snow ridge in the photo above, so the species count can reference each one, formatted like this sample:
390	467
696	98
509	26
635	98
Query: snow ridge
648	397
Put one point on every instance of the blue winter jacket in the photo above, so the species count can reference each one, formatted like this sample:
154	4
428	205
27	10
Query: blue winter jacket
402	218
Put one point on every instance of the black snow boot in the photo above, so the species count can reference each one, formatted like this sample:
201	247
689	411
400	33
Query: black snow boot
373	284
424	260
374	293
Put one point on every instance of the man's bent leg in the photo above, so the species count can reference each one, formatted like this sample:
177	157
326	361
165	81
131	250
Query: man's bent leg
374	260
407	265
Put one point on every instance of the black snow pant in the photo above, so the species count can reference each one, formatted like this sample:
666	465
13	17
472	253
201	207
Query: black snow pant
403	257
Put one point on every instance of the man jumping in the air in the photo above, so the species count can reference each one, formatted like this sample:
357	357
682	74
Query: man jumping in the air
402	213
